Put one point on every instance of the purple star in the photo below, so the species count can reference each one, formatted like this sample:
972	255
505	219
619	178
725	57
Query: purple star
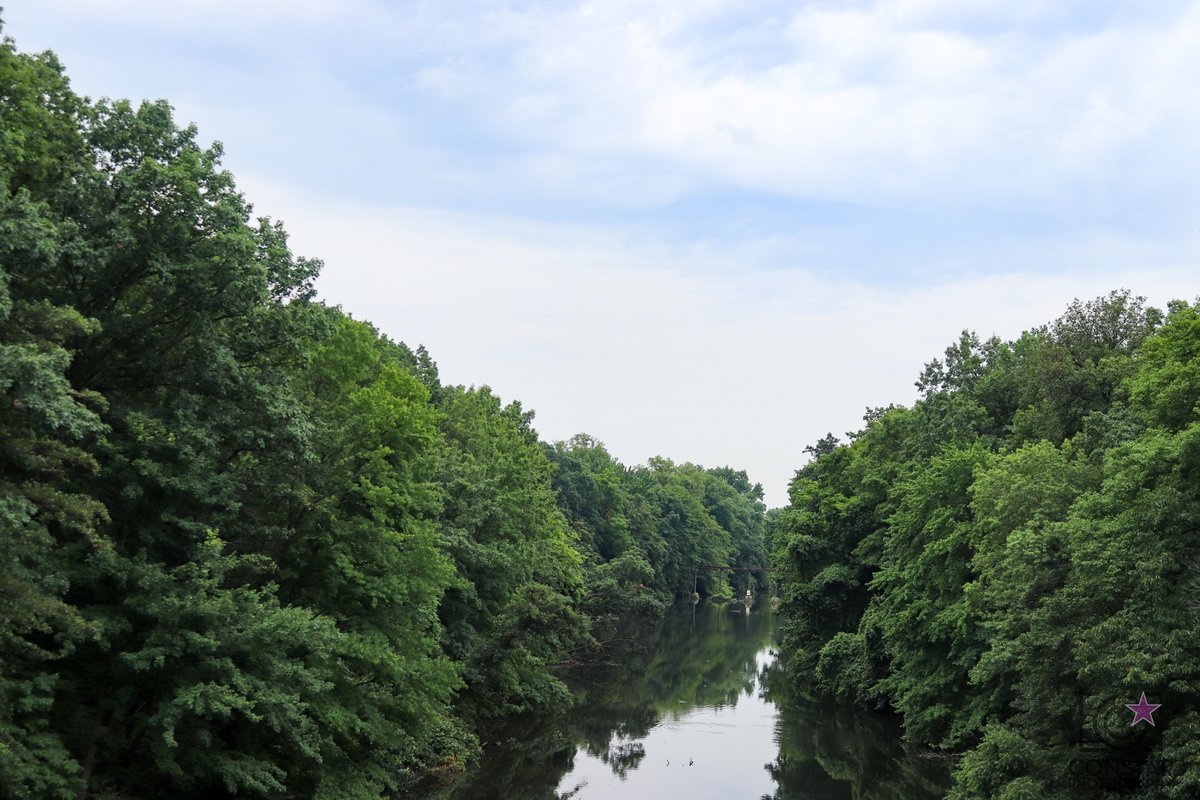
1142	710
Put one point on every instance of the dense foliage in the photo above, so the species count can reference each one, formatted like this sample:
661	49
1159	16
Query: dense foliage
250	545
661	525
1014	558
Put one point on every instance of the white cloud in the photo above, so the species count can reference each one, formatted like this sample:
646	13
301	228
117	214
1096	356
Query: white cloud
1009	147
870	103
648	350
933	103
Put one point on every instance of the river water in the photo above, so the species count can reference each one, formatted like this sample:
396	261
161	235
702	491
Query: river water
700	711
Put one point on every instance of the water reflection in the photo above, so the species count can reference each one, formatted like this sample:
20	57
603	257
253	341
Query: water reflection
700	712
834	752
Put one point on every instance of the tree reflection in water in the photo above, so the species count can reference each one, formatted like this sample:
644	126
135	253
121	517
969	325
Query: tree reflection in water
708	657
837	752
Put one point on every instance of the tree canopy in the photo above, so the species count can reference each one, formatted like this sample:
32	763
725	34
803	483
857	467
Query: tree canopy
1011	560
253	547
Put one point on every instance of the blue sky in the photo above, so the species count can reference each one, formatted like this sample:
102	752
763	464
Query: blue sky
708	230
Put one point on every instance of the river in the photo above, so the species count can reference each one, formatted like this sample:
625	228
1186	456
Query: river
700	712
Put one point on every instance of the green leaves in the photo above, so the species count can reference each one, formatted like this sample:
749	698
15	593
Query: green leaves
230	564
1166	388
1026	535
363	551
918	597
45	424
253	547
221	671
513	552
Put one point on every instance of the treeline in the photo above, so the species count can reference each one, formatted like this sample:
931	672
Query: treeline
251	546
1016	557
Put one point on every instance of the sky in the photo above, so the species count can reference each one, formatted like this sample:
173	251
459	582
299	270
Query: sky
713	230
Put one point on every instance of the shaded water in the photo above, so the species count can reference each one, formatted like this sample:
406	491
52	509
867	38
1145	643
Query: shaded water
701	713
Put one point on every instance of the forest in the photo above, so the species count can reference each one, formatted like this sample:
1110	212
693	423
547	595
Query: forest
1013	559
253	547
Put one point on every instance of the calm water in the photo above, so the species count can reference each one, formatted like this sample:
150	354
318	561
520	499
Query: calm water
701	713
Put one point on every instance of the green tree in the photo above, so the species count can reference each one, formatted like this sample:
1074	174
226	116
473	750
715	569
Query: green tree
1072	368
514	609
919	605
1024	536
46	426
364	551
590	488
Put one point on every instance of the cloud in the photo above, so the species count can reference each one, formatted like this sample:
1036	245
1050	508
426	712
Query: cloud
718	362
1072	110
869	103
713	230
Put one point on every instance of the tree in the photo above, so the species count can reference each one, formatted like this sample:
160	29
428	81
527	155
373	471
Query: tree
46	426
1025	537
363	550
512	611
